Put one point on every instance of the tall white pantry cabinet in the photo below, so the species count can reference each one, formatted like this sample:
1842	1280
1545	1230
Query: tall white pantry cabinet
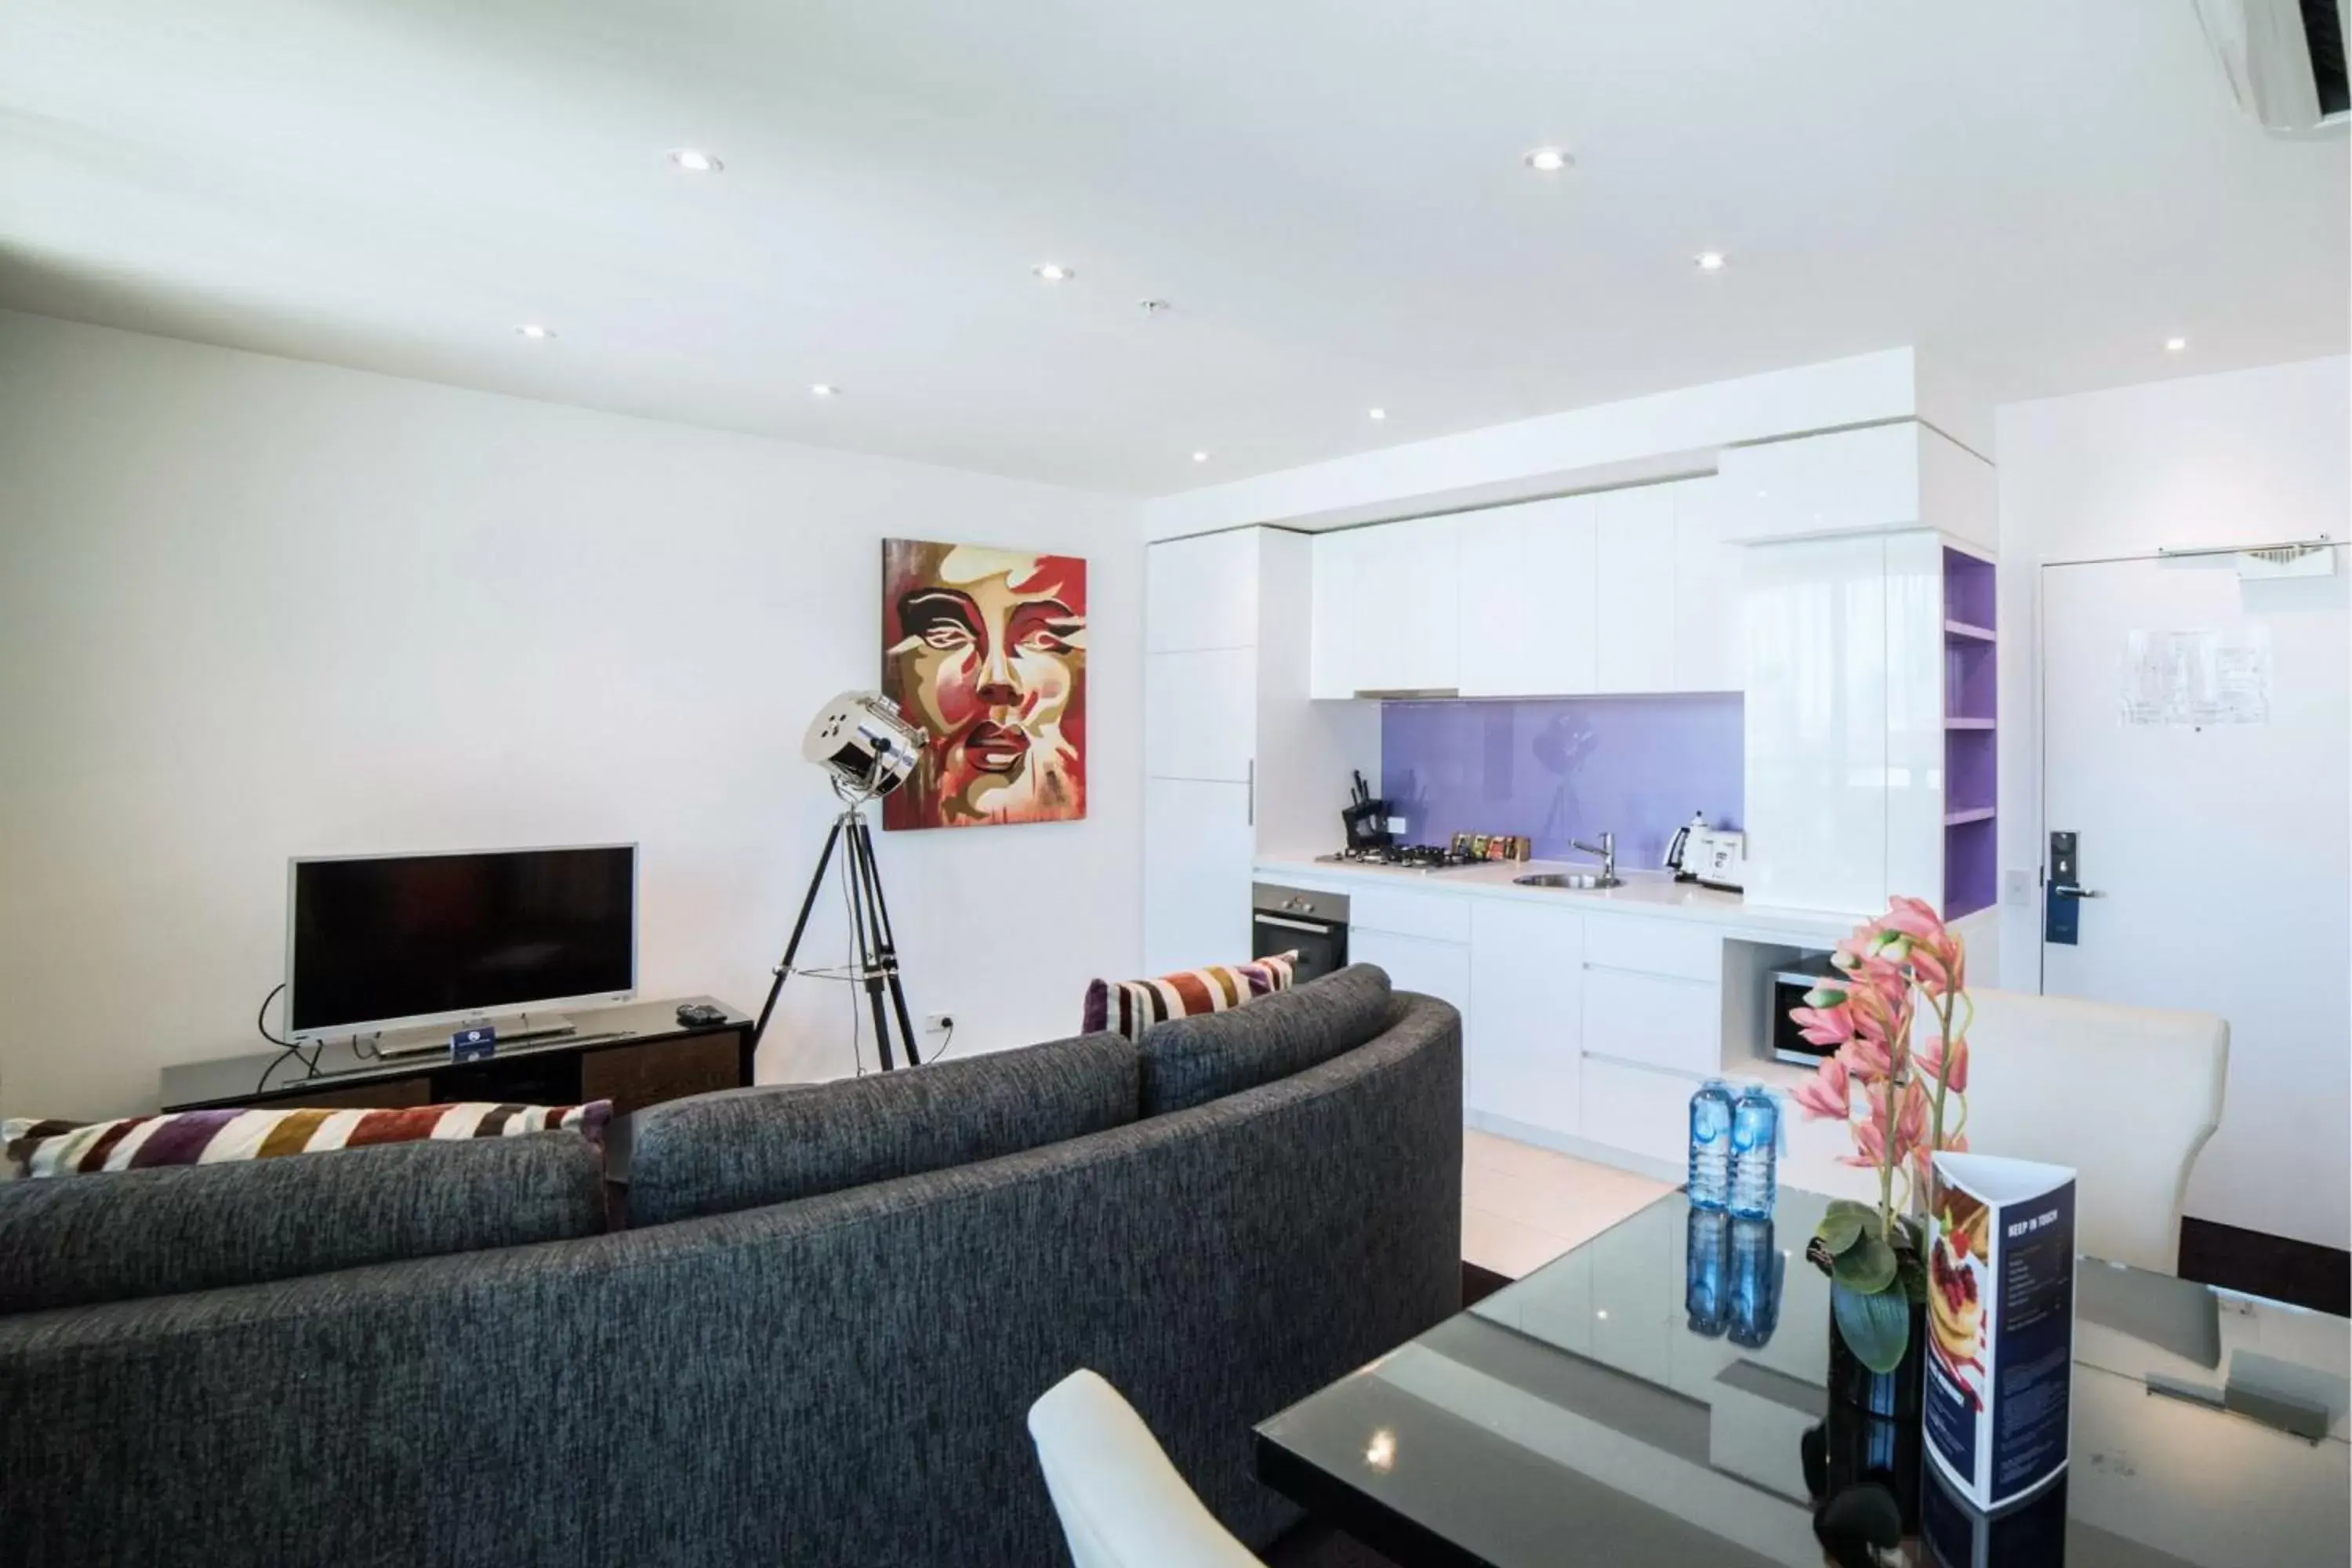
1236	761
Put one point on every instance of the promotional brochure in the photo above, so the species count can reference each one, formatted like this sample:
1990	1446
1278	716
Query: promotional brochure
2001	1322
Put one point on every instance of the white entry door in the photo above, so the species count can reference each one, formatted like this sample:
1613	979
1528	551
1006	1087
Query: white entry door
2219	849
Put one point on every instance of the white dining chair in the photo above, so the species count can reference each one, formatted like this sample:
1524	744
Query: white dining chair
2126	1095
1122	1503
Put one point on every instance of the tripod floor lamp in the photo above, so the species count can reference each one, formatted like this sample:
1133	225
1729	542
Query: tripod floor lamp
868	749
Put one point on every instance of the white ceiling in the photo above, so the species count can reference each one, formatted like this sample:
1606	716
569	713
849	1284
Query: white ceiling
1329	193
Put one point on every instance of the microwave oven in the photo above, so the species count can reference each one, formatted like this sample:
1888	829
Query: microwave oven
1783	1042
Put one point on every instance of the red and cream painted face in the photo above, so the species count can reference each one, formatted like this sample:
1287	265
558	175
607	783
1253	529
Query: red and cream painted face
986	649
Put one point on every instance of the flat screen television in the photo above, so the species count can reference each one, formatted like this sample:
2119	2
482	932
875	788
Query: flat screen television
375	942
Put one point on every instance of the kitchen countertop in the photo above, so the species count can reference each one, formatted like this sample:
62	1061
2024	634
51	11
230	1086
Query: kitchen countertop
1644	893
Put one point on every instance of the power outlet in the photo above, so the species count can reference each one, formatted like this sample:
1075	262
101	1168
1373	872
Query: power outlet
938	1023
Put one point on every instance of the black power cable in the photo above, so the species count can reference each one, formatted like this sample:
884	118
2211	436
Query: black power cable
285	1047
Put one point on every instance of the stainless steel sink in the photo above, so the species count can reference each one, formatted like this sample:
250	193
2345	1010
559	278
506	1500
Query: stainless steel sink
1583	881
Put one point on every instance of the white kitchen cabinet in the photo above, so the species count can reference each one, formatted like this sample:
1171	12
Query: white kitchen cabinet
1425	559
1344	565
1203	593
1557	603
1491	576
1440	969
1237	762
1524	1047
1869	723
1655	1020
1204	715
1403	911
1197	850
1634	612
1681	949
1706	647
1643	1110
1816	680
1386	617
1528	587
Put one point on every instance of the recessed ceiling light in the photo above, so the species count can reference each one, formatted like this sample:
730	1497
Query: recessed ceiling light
1054	272
1200	457
2174	345
695	161
1377	412
534	331
1547	160
824	389
1708	260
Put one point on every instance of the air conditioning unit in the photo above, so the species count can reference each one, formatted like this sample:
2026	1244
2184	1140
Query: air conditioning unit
2284	59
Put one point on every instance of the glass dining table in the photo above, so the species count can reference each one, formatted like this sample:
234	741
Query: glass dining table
1658	1395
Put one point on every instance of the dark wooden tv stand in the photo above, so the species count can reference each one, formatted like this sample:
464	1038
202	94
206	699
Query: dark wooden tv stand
634	1055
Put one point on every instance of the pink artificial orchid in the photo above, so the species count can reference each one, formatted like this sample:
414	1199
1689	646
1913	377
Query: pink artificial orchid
1824	1025
1899	1124
1828	1093
1932	1062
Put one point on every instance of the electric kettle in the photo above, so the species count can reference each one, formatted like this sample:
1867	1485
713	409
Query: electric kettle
1682	854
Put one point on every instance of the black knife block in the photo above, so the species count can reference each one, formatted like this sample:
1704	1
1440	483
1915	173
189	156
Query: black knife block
1367	823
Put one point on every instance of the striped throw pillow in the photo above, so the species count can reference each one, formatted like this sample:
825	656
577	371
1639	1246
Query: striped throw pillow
217	1137
1131	1006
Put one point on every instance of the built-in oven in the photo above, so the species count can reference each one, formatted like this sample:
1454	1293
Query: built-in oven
1784	1041
1297	920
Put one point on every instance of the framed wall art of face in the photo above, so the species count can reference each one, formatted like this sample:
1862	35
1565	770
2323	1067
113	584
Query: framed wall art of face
986	649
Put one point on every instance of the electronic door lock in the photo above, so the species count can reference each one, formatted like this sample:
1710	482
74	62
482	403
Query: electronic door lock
2062	915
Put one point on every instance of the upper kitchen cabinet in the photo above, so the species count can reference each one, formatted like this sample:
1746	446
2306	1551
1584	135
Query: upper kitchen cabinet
1870	724
1528	581
1706	591
1385	614
1203	593
1623	590
1633	605
1904	475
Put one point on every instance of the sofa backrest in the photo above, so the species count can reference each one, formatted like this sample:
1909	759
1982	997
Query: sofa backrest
743	1148
839	1380
1192	1060
70	1241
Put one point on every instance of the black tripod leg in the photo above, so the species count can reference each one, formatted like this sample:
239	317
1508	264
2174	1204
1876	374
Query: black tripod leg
888	948
792	948
871	962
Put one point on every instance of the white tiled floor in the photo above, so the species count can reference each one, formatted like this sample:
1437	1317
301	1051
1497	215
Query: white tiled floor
1522	1206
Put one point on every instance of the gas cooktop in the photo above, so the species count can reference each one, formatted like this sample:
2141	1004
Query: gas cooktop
1405	857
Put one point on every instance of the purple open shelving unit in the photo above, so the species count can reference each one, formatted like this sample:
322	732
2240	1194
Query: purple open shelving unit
1971	735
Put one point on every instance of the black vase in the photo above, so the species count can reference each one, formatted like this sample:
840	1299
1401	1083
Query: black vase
1894	1395
1873	1435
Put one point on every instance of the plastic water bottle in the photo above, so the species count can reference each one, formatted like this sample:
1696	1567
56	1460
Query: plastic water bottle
1710	1151
1707	1242
1756	1278
1755	1128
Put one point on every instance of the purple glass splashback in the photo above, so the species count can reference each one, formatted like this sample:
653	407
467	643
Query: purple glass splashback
1565	768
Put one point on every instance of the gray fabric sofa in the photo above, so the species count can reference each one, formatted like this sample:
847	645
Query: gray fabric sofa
820	1352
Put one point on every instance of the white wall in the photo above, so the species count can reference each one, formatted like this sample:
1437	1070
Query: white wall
252	608
2242	458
